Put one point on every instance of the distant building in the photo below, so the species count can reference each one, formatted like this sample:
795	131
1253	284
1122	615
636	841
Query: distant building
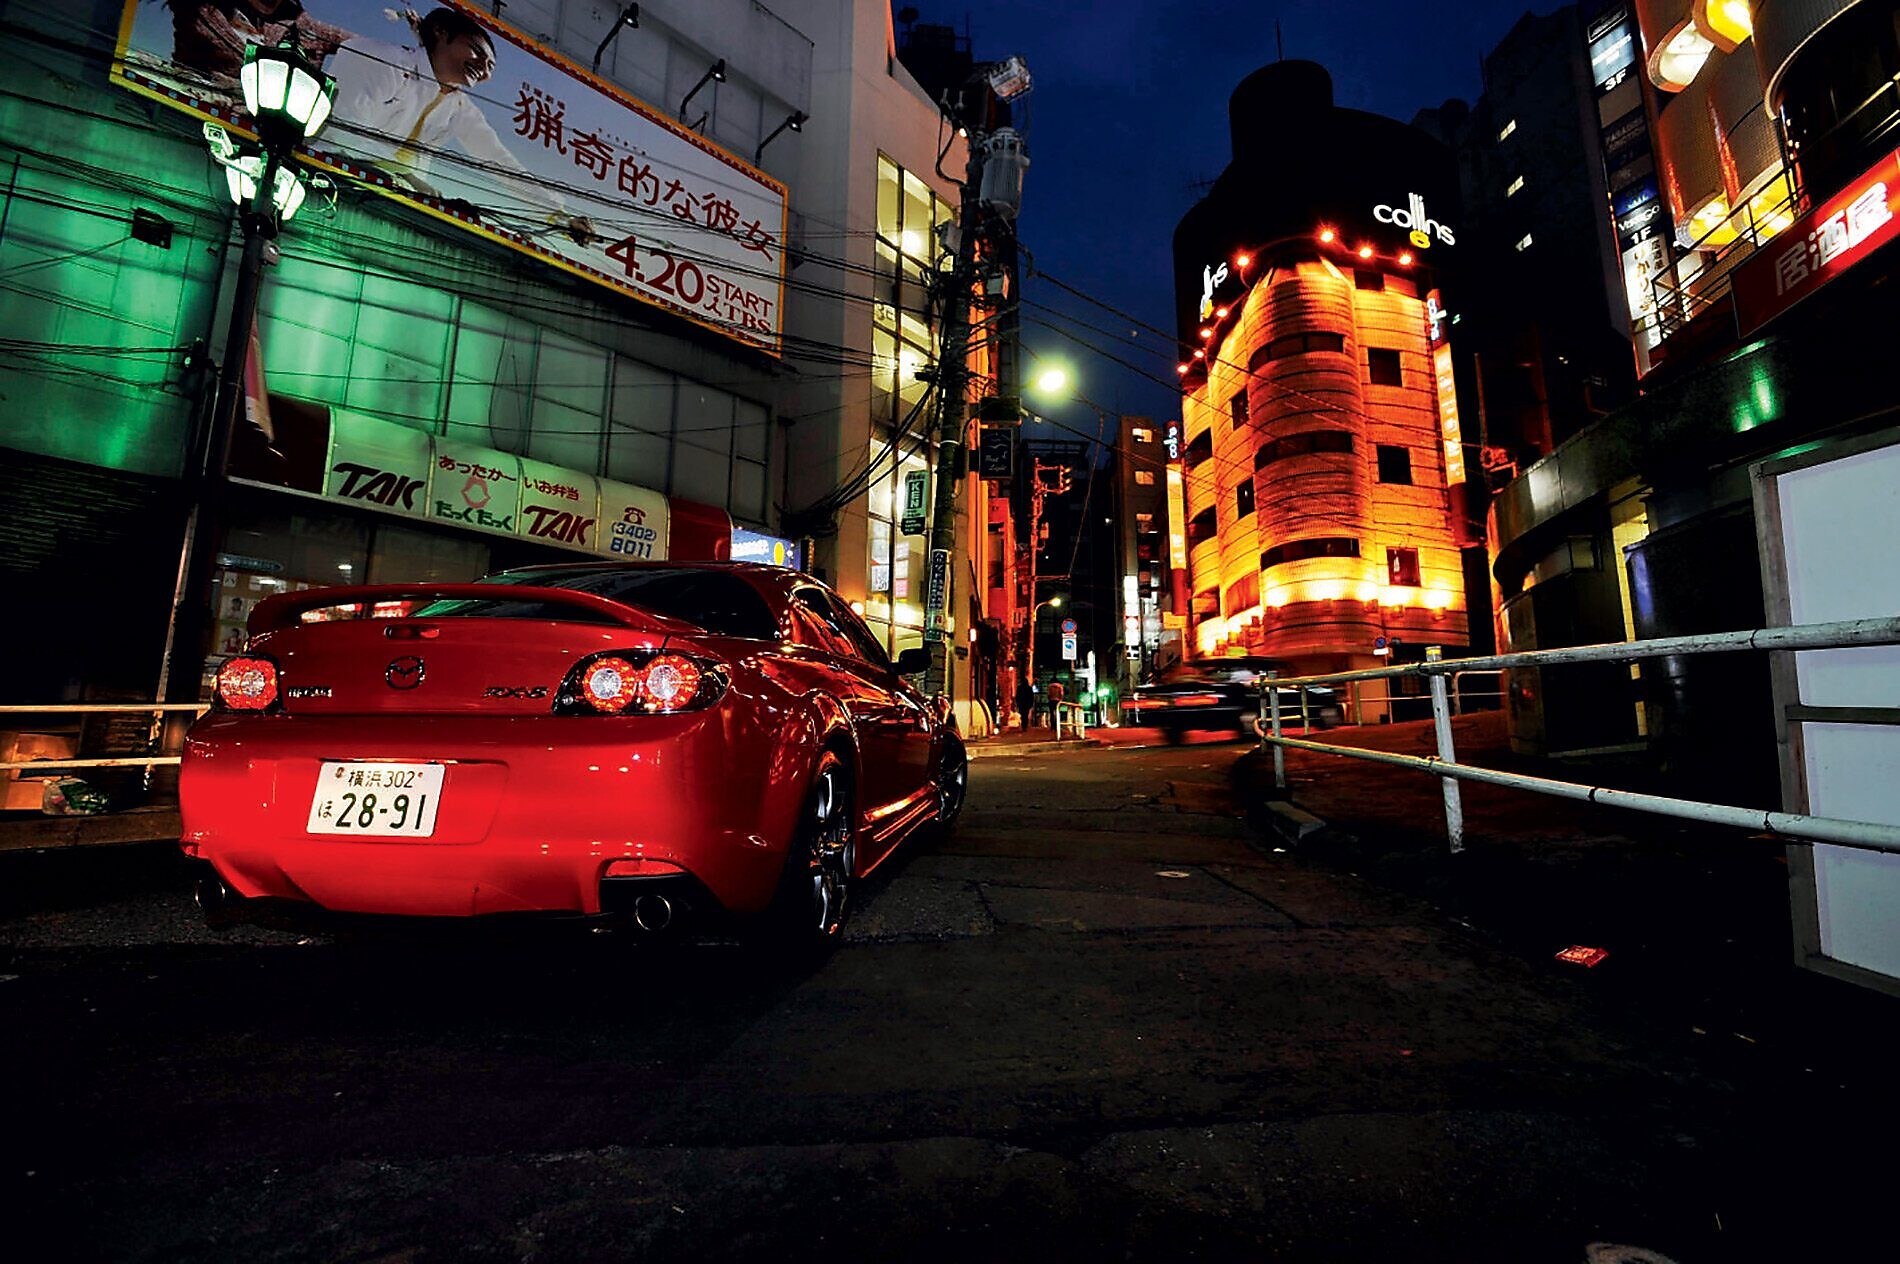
1140	513
1324	458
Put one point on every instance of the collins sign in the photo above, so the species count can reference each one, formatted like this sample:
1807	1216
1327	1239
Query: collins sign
1421	228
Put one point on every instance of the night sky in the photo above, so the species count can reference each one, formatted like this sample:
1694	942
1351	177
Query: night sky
1129	113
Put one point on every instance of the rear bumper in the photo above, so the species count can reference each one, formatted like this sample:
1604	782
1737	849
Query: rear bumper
533	810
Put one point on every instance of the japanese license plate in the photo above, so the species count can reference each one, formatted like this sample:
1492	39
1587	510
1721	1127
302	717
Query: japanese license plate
376	799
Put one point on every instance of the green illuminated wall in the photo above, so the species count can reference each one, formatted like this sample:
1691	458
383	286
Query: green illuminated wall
92	345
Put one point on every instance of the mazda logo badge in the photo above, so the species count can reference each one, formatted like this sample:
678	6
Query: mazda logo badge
403	673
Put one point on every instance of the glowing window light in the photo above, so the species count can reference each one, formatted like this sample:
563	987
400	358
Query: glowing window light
1512	189
1278	597
1438	599
1508	128
1395	597
1682	58
1367	592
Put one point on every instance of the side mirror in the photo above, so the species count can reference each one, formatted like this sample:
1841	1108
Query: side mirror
913	660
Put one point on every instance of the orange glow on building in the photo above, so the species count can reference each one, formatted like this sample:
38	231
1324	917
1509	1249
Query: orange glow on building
1317	512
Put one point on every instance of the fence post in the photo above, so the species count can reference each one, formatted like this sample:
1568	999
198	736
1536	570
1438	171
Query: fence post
1441	723
1306	720
1273	711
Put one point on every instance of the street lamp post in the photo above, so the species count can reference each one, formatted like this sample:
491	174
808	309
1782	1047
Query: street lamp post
288	99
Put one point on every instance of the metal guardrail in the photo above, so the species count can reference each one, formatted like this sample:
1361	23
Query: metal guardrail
154	709
1867	835
1078	719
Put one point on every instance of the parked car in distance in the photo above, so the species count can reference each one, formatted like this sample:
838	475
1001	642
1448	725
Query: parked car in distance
661	744
1223	694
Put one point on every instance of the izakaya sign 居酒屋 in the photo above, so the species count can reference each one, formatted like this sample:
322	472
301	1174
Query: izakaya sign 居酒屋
401	470
1821	245
446	108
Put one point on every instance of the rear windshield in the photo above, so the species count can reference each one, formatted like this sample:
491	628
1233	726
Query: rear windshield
722	604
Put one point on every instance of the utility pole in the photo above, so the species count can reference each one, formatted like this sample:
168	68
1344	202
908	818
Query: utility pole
996	192
953	371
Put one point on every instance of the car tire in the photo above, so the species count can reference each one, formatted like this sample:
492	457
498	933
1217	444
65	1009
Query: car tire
953	781
808	911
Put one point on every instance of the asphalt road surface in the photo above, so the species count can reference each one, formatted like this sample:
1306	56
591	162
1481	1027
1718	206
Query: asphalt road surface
1101	1021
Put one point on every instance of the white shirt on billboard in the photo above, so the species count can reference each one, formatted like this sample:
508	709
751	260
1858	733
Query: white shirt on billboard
391	112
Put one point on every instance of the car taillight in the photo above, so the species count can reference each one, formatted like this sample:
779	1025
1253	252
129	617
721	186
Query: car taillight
247	683
610	685
613	683
671	682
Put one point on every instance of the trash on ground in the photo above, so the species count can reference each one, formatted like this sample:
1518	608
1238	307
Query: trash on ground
1577	954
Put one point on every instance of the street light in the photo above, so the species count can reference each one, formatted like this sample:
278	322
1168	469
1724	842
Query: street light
288	99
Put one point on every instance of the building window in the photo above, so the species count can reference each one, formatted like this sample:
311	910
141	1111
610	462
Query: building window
1515	185
1144	478
1401	567
1524	242
1202	526
1382	363
1368	279
1303	444
1318	546
1243	499
1242	594
1199	449
1206	604
1237	406
1295	344
1144	524
1395	464
1142	436
1505	132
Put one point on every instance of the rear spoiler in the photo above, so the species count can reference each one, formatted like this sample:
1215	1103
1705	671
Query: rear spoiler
286	610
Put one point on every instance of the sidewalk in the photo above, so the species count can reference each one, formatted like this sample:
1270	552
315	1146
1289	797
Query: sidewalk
1695	919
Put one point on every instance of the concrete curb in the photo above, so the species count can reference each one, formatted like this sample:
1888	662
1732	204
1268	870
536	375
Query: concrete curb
980	750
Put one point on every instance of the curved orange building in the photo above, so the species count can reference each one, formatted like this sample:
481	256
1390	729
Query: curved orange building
1322	454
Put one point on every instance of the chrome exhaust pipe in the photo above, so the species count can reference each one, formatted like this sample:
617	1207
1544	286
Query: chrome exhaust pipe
653	913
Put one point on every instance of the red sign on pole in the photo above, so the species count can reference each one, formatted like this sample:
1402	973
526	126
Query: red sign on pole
1821	245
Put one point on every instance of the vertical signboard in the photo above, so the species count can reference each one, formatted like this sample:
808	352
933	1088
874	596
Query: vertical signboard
937	595
1446	379
450	110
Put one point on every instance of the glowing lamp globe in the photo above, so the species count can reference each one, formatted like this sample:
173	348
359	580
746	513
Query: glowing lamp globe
285	93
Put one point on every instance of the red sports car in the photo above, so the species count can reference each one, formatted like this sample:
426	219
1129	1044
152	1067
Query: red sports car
660	743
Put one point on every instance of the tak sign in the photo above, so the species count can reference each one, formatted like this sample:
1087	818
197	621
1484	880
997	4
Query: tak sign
1415	221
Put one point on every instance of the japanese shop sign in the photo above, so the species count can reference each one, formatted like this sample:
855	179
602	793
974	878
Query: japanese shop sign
559	506
937	595
475	487
633	522
916	489
1821	245
446	108
375	464
378	463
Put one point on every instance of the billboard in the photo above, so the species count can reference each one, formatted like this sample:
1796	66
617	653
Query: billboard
450	110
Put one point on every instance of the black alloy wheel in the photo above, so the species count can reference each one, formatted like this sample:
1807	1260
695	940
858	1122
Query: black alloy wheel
953	780
808	912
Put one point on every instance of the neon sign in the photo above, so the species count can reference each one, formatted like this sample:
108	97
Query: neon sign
1210	281
1414	220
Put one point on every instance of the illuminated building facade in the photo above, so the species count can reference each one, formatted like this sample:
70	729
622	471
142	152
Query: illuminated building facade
1323	458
